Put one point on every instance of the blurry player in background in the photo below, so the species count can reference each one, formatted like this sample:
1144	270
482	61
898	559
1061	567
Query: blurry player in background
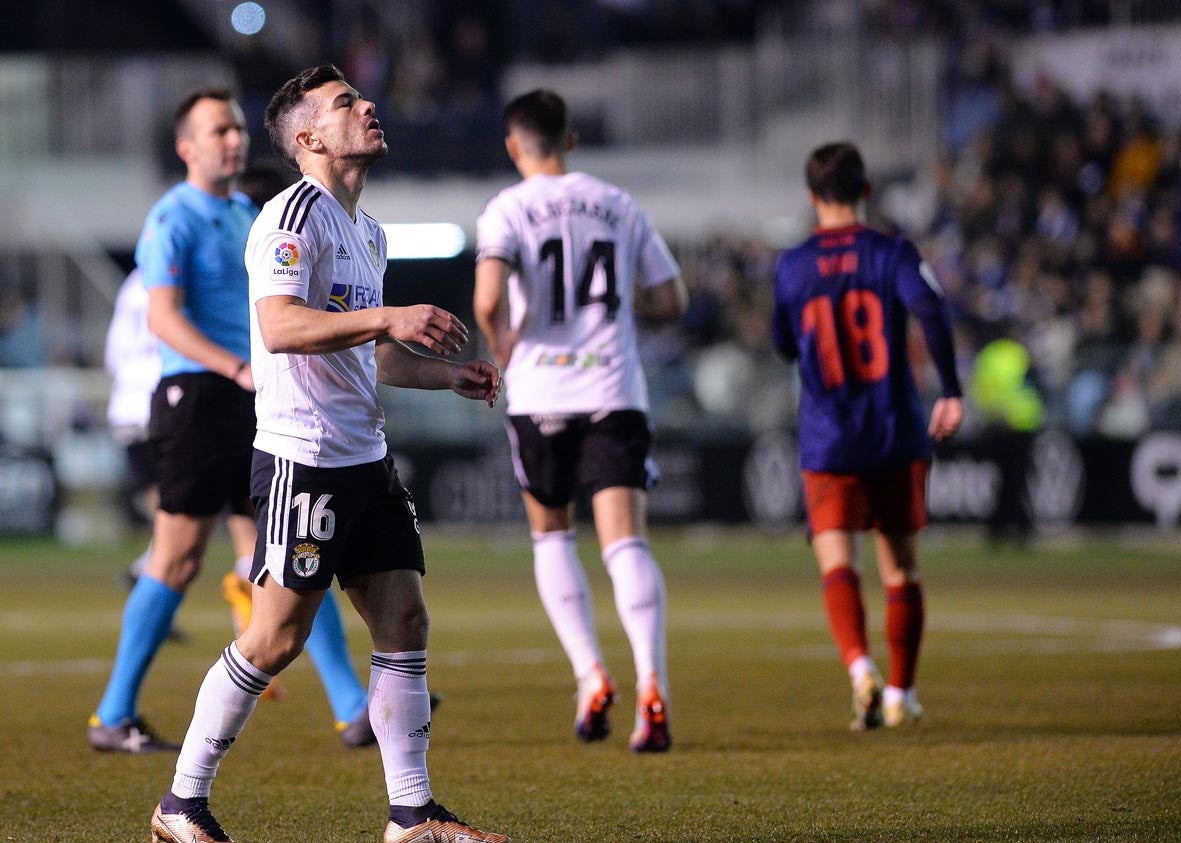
842	301
565	264
132	359
189	259
330	505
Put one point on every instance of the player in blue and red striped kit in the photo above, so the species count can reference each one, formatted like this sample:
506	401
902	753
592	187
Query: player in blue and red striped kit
842	303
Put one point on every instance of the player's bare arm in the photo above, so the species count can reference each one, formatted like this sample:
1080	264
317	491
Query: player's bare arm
400	366
167	320
663	302
946	416
491	308
289	326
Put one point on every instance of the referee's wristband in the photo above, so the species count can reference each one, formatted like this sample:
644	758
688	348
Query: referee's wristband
238	371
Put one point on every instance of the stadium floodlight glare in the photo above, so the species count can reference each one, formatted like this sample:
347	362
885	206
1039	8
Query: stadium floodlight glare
248	18
423	240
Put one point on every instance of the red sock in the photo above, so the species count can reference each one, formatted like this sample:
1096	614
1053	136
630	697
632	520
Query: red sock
846	613
904	631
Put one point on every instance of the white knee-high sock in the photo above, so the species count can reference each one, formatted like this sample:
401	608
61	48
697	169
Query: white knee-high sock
566	596
400	711
224	704
640	600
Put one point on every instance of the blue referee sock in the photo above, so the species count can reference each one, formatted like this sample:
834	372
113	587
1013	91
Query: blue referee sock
330	654
147	617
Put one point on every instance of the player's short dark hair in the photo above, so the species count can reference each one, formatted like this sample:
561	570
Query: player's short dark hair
181	117
836	173
287	101
543	115
262	182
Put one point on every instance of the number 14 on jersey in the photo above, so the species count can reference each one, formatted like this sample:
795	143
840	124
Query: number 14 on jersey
601	255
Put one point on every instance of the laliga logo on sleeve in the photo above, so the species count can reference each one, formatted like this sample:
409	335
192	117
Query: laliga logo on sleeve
286	254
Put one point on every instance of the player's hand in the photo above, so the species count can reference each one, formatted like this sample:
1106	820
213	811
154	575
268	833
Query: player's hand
245	378
430	326
476	379
946	417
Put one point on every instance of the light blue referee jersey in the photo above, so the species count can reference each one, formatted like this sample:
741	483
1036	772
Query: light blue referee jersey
196	241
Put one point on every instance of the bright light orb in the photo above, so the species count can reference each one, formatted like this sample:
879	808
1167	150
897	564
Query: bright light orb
248	18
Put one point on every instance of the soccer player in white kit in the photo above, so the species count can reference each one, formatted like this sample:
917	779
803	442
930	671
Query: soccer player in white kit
328	498
564	263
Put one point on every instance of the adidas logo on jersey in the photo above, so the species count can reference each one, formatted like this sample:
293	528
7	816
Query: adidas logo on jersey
422	732
342	254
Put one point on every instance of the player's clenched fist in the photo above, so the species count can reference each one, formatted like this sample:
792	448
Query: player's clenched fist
430	326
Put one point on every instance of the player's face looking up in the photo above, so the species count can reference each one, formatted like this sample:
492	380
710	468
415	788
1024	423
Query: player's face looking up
345	125
213	143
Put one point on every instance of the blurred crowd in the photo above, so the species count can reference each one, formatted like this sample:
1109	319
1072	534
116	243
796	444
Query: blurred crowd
1050	222
1056	223
434	76
959	18
434	68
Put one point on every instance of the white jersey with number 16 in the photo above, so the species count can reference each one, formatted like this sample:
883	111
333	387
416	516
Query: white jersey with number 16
578	247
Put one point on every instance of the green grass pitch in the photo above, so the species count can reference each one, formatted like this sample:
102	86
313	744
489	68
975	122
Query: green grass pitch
1051	678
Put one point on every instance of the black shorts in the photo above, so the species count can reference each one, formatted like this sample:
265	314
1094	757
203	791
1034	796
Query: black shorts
316	523
554	454
202	432
141	467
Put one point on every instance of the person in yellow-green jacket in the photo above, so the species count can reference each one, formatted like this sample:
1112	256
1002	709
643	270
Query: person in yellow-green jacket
1003	390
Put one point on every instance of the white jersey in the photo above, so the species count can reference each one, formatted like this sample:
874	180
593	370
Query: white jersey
132	357
578	247
316	409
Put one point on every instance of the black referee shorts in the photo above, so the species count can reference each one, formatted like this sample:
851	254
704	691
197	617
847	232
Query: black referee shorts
202	432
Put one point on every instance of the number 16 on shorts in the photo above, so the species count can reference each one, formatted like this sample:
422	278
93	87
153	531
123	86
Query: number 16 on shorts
324	522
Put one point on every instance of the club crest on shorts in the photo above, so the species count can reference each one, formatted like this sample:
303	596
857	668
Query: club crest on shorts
305	559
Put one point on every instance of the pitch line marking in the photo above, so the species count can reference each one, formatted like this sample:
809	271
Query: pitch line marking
1003	634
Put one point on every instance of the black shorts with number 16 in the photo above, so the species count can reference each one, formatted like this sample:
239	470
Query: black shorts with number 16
317	523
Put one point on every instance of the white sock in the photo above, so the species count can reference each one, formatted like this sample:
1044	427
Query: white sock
641	601
242	566
892	695
566	596
400	711
859	668
224	704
